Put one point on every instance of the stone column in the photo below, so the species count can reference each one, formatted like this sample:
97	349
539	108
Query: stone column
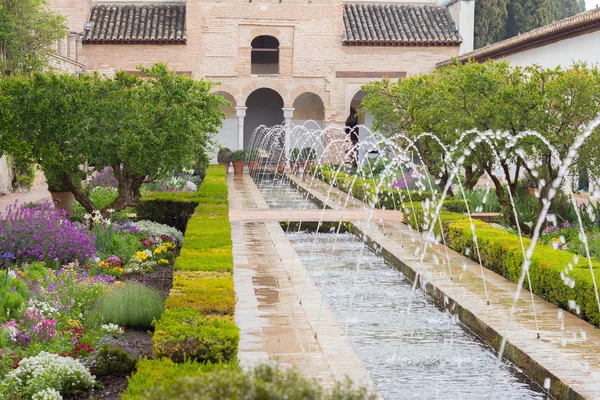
288	113
241	114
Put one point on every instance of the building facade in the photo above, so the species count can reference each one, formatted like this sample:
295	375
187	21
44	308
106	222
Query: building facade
275	61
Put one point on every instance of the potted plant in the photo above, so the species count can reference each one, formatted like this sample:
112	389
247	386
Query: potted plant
61	196
252	156
237	157
224	157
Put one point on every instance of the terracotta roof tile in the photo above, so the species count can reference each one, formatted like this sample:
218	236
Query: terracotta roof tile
401	25
150	24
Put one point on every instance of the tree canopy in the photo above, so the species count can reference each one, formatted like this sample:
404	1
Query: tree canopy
143	128
493	97
496	20
27	30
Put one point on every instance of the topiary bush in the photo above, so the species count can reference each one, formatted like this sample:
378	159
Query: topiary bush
186	334
174	213
224	156
130	305
264	382
208	292
162	373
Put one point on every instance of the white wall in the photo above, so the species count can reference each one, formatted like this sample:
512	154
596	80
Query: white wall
463	14
227	136
563	53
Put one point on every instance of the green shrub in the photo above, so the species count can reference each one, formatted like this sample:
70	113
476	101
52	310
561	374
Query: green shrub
110	359
163	373
109	243
483	200
185	334
208	292
130	305
238	155
173	212
265	382
501	252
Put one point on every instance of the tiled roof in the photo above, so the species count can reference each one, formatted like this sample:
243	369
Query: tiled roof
151	24
576	25
400	25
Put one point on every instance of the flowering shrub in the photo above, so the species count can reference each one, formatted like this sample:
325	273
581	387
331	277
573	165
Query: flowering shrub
156	229
104	178
40	233
47	394
404	182
49	371
125	227
113	330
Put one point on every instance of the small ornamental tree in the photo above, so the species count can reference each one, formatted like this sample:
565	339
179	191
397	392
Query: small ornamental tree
142	128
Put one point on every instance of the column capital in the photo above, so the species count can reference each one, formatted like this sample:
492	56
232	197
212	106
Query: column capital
241	111
288	112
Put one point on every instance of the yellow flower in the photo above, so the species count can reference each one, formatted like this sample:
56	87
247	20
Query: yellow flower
118	283
163	261
140	255
169	246
103	264
158	250
74	322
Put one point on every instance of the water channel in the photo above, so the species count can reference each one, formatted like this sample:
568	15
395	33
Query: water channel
424	354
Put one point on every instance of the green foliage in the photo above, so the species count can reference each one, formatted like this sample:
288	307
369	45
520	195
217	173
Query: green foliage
130	305
483	200
110	359
110	243
501	252
209	292
308	154
142	128
496	20
238	155
28	28
101	197
186	334
162	373
264	382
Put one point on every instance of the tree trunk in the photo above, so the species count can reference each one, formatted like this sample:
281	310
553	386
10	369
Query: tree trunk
128	186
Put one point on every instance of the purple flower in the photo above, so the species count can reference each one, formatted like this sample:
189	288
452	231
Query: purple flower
41	233
105	178
404	182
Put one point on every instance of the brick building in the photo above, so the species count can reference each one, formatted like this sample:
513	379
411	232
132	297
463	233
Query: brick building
275	60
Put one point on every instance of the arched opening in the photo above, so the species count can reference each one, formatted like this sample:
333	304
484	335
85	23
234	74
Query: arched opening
265	56
265	107
228	133
309	111
359	134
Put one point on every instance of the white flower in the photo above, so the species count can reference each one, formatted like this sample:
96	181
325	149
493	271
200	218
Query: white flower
156	229
47	394
87	216
111	210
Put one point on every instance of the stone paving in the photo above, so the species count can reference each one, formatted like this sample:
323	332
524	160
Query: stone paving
38	193
280	311
567	350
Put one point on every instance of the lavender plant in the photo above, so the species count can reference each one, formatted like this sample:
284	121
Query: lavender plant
40	233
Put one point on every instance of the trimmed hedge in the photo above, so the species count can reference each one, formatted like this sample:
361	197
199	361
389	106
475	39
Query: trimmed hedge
188	334
163	373
208	292
198	322
552	271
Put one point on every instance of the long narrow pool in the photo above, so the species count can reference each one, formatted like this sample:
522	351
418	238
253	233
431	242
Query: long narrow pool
424	354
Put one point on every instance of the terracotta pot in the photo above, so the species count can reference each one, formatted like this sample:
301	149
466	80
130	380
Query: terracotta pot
238	167
63	201
226	167
281	168
532	191
307	166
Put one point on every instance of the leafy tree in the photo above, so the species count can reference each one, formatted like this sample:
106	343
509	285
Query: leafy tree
490	21
493	96
143	128
27	29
